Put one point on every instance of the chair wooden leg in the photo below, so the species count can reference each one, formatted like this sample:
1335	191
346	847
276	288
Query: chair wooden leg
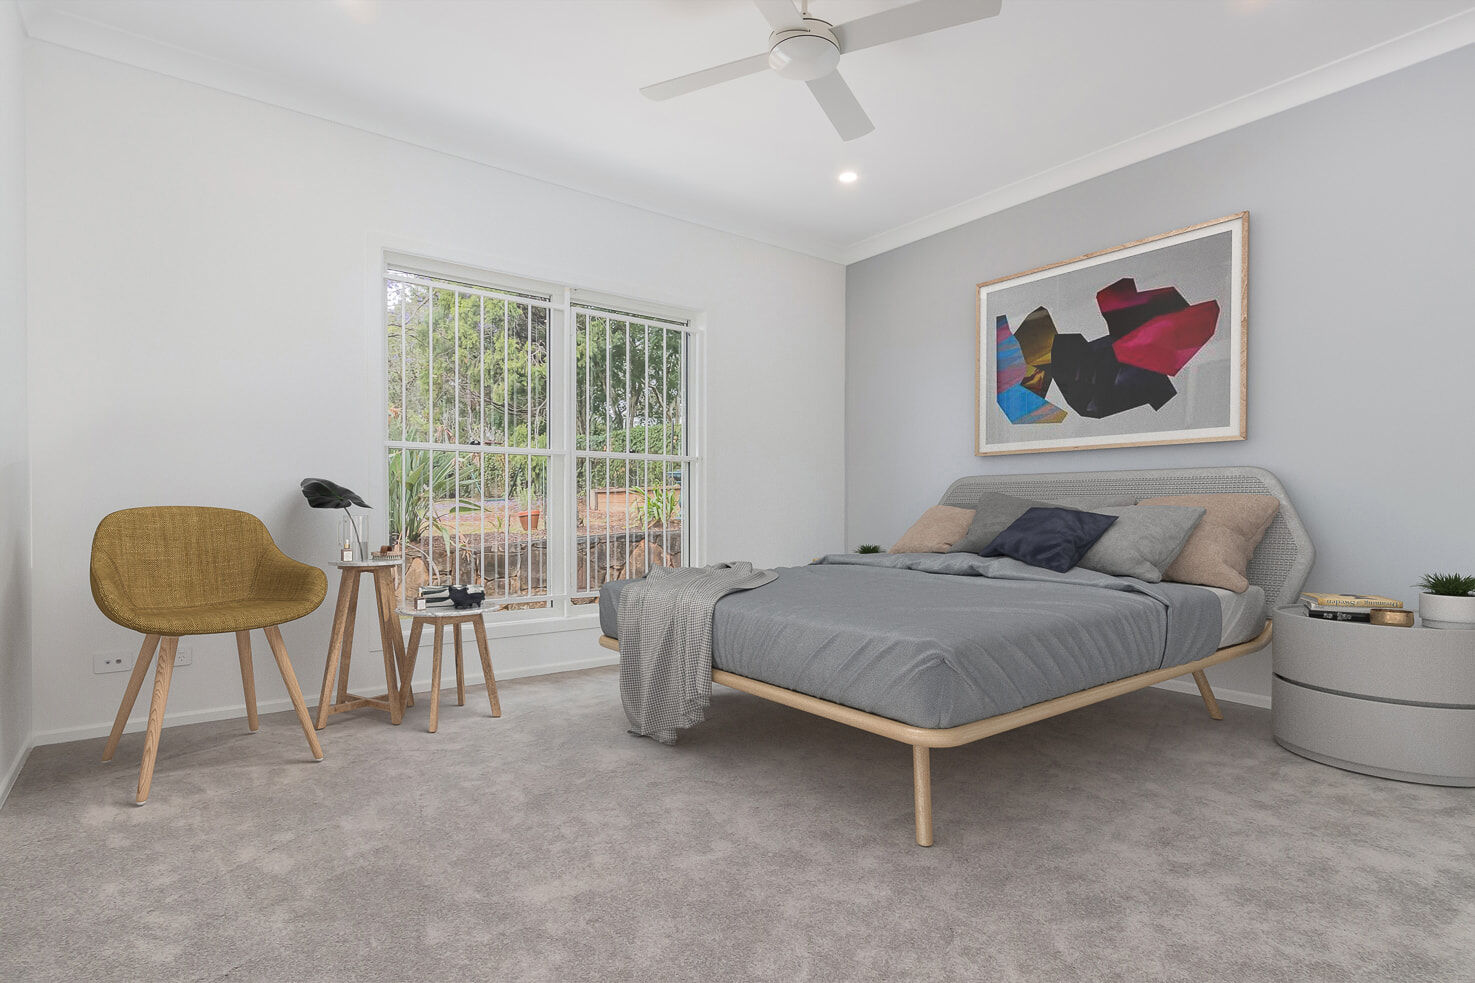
388	631
335	647
130	695
1211	704
412	655
480	628
460	669
435	679
347	656
248	679
922	792
162	675
284	664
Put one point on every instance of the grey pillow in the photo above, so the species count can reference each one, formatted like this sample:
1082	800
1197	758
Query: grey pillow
1143	542
996	512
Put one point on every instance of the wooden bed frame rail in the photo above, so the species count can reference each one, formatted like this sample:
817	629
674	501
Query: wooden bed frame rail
924	739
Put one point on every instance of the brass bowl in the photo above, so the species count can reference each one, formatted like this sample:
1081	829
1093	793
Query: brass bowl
1391	617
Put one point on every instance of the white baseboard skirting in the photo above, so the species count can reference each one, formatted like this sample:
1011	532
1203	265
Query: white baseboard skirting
1187	685
8	782
238	710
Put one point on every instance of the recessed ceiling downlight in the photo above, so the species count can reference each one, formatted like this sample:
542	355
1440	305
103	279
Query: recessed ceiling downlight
848	177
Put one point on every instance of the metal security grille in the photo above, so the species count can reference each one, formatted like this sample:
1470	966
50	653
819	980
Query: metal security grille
634	469
534	446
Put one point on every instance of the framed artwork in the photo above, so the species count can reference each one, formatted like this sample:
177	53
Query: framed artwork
1140	344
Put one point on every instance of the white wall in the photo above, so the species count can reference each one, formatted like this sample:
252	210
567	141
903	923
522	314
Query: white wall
1360	267
15	548
202	323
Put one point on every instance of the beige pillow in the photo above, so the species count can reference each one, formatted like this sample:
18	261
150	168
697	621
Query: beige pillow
1219	551
940	527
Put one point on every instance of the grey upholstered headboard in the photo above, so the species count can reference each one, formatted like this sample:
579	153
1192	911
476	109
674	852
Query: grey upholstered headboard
1280	565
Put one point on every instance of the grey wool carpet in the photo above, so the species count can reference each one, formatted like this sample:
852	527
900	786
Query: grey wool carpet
1133	840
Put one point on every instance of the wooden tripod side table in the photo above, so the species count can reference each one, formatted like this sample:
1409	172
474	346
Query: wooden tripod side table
340	646
439	619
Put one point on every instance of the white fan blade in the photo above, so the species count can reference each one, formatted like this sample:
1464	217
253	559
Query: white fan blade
707	76
922	17
840	105
780	14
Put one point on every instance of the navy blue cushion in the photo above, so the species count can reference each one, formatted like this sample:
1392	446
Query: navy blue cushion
1055	539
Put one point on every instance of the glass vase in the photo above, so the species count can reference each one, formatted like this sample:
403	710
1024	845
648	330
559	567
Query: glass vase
352	544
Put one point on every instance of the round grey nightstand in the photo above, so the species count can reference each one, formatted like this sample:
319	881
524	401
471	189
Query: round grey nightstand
1391	702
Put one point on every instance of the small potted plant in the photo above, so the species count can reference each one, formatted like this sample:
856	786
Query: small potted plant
868	548
529	514
1446	601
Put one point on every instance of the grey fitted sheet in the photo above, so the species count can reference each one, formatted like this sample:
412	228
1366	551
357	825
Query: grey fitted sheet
938	640
1242	616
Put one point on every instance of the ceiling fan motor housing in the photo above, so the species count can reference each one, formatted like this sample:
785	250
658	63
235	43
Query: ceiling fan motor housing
804	53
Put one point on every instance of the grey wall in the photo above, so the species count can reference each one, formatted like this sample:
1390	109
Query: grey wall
1362	308
15	514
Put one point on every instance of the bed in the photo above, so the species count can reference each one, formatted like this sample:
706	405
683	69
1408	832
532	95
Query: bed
939	650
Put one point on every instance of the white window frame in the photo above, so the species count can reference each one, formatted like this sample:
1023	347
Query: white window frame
561	614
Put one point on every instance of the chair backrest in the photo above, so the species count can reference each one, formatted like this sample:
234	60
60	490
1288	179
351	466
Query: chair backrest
178	555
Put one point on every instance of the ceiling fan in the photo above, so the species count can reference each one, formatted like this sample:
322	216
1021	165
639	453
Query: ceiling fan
807	49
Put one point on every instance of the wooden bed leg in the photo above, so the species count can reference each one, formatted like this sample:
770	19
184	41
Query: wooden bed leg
922	792
1211	704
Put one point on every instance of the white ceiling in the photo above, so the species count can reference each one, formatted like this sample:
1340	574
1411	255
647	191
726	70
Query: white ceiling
968	120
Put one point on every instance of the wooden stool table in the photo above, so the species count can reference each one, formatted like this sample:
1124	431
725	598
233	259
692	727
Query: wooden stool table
340	645
440	618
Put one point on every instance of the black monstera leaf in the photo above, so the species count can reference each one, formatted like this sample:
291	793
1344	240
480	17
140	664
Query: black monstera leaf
324	494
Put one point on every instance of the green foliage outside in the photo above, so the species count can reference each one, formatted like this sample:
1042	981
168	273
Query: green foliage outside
471	370
465	369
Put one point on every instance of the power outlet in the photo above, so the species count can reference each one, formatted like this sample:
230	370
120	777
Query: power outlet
112	662
124	661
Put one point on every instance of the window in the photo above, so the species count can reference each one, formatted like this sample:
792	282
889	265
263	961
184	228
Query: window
538	440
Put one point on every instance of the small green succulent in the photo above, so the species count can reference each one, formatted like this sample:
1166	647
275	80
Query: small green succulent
1447	584
868	548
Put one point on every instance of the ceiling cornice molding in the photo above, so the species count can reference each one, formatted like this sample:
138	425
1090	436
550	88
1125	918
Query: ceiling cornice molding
52	25
1441	37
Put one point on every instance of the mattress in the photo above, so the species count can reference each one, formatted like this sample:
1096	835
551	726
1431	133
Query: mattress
939	640
1241	616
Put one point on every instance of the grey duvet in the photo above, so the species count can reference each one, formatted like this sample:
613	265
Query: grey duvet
938	640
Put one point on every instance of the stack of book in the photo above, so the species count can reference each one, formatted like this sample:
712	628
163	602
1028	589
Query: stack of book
433	596
458	596
1346	607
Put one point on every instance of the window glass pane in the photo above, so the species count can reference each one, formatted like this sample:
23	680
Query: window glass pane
394	311
443	369
538	376
414	393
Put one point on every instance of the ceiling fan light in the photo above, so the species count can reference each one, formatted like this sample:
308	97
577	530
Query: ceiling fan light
804	57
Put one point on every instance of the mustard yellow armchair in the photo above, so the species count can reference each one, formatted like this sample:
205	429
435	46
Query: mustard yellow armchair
171	571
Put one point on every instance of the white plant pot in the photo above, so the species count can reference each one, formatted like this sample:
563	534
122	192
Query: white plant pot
1445	611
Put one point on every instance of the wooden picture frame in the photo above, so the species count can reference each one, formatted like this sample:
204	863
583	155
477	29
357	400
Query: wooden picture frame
1169	284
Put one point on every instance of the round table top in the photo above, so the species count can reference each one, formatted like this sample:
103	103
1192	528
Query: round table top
373	561
444	612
